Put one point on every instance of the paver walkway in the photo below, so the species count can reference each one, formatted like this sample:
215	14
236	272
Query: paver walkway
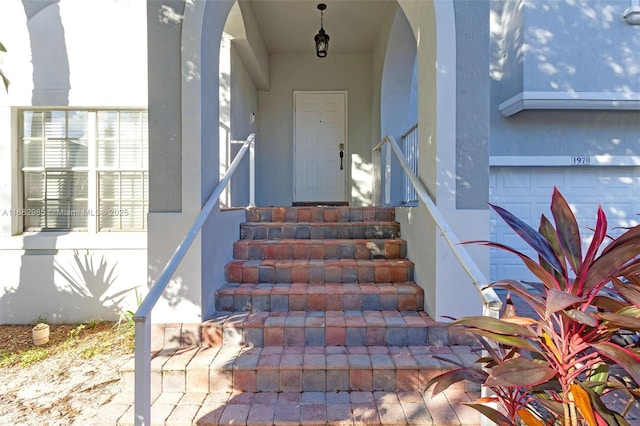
319	323
299	408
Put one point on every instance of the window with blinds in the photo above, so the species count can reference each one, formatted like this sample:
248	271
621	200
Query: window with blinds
84	170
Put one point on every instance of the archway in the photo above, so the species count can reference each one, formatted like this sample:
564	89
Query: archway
434	34
399	94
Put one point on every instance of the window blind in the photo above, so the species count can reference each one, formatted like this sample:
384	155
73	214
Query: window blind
56	149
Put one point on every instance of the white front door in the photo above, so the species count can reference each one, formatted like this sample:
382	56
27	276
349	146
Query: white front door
320	136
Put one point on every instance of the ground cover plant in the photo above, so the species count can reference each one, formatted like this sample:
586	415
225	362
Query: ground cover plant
555	368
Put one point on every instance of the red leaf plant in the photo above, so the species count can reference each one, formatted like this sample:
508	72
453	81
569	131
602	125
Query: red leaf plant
555	367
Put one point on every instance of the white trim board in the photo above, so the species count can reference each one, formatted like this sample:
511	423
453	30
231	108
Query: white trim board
565	161
570	101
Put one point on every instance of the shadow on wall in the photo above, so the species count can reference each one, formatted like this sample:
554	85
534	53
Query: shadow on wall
64	288
91	284
556	54
51	82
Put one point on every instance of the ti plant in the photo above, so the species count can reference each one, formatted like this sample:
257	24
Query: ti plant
562	358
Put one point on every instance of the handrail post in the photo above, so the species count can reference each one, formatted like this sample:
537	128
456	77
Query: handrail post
252	174
142	372
489	310
387	176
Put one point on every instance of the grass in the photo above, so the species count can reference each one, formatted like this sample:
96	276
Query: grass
84	341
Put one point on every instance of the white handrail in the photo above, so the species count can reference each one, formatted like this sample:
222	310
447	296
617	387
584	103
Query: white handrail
142	317
490	300
410	146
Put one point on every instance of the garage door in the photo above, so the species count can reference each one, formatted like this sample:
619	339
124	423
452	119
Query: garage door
526	192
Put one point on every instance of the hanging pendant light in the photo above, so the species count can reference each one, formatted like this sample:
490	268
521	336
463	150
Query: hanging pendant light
322	38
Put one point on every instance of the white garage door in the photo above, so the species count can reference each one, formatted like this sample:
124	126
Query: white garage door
526	192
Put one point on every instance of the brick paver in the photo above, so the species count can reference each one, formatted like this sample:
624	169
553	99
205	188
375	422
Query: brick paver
319	323
295	408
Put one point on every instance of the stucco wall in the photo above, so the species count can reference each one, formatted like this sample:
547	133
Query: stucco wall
274	150
564	133
563	47
190	294
244	99
164	27
398	113
244	109
507	40
66	54
437	271
472	117
580	46
70	285
377	67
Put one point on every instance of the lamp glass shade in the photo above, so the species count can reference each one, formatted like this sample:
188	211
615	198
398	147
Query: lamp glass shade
322	43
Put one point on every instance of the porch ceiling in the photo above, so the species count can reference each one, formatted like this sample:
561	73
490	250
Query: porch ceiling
288	26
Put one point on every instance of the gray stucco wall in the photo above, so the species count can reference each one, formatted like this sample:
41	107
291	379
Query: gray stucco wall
472	94
580	46
568	133
564	47
244	99
244	103
274	146
377	64
164	27
399	110
507	39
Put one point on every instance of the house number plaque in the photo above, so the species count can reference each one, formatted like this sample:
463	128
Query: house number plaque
580	160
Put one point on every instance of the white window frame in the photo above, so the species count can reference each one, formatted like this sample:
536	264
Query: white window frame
93	169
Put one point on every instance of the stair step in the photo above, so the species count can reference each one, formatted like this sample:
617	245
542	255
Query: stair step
283	249
297	369
318	230
401	296
318	328
319	271
320	214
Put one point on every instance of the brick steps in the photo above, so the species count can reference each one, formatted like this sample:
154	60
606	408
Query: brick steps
318	230
297	369
401	296
319	271
283	249
319	328
319	322
320	214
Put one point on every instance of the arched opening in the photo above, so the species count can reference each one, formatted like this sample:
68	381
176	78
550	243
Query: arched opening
399	104
243	70
423	44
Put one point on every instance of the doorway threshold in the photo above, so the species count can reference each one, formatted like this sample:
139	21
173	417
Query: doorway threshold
320	204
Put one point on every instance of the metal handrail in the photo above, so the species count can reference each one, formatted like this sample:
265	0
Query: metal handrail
411	129
410	145
142	317
490	300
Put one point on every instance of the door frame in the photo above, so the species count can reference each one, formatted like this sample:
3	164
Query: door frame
347	163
